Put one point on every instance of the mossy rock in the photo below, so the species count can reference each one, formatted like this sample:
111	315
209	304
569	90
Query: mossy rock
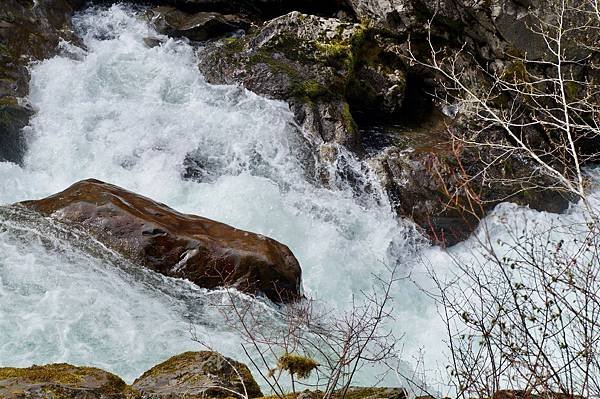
197	375
13	118
319	65
62	381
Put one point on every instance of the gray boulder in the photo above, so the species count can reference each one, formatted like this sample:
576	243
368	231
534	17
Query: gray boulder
326	68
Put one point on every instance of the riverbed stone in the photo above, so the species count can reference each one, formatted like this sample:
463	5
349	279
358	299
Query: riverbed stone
197	375
62	381
208	253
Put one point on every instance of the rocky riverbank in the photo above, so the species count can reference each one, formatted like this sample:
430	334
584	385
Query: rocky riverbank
190	375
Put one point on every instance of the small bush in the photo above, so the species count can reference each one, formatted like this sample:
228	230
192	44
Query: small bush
297	365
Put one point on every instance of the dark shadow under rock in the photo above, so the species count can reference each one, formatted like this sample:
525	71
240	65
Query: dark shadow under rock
196	26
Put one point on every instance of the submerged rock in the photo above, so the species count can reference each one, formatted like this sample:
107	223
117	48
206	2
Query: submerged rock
62	381
208	253
197	26
197	375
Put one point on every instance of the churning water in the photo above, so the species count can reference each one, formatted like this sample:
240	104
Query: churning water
131	114
134	115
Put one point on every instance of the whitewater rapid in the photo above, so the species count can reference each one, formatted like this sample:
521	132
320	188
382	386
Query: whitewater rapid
118	110
121	111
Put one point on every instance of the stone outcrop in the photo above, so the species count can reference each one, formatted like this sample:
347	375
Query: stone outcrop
490	28
62	381
197	375
427	185
257	10
324	67
208	253
330	71
29	30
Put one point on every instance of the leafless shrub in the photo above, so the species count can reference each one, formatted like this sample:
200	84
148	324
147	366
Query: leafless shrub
341	342
543	109
522	310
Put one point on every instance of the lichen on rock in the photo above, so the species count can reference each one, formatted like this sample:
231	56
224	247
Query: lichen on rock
314	63
198	375
62	381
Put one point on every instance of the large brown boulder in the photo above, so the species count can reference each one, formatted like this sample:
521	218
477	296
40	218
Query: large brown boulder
197	375
62	381
206	252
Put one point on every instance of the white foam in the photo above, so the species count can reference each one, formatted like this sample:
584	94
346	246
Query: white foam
128	114
125	113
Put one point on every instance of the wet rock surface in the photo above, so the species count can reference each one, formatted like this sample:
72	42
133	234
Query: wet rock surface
322	66
13	118
208	253
257	10
195	26
441	186
29	31
197	375
64	381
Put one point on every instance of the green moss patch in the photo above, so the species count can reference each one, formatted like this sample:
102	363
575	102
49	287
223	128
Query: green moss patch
61	373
